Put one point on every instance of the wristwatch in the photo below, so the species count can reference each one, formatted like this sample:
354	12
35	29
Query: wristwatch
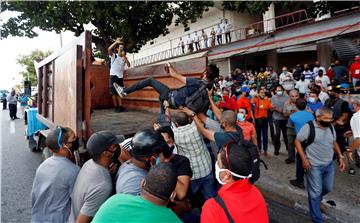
193	114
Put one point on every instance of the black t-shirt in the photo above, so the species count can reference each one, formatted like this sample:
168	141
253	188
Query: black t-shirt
182	165
192	84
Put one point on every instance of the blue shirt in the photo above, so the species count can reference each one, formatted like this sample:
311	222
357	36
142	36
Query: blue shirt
23	100
191	86
300	118
315	106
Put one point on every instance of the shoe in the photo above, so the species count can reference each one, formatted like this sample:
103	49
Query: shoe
351	172
289	161
119	90
122	109
117	110
323	208
276	152
298	184
265	153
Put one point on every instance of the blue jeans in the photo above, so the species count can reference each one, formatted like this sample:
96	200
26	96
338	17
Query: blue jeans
264	132
320	181
205	185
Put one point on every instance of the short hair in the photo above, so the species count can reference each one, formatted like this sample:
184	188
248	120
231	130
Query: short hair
278	85
57	136
239	158
181	118
212	72
244	109
161	181
300	104
315	91
166	129
230	117
322	111
294	92
356	100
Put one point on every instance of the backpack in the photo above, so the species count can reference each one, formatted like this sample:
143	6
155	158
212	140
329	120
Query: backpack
254	154
311	137
198	101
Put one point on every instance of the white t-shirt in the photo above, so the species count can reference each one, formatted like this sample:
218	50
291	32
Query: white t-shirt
316	70
323	96
355	125
303	86
189	41
117	65
196	38
325	81
227	27
218	31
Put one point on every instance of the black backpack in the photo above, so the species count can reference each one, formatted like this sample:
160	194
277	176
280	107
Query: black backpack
198	101
311	137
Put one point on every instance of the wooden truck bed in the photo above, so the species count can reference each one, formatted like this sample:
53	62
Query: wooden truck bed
124	123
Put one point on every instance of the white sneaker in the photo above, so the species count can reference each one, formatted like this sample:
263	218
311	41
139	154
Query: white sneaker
119	90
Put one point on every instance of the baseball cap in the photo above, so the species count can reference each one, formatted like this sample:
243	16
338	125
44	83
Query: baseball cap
102	140
245	89
344	85
126	144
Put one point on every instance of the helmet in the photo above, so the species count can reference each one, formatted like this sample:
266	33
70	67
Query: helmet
146	143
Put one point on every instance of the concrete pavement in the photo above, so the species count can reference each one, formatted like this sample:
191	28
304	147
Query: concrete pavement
18	166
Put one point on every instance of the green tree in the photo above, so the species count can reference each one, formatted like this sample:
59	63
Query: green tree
137	22
27	61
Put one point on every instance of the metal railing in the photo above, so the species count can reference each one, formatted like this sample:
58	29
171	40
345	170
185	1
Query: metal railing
250	31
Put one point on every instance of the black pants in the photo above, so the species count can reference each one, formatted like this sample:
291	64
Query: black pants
197	45
280	126
12	110
159	87
4	104
299	169
219	39
228	37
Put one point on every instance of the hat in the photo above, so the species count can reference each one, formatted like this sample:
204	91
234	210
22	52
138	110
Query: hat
102	140
344	85
245	89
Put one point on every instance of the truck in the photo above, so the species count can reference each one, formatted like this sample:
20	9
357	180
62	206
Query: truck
74	92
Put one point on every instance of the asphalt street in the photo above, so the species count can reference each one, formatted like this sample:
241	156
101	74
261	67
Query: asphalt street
18	166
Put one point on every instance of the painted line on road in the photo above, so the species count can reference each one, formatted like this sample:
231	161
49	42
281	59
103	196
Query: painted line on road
12	127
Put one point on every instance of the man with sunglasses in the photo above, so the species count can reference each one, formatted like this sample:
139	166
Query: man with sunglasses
54	179
175	97
237	199
94	184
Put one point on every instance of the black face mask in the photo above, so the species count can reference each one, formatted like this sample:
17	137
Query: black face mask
325	124
75	145
115	156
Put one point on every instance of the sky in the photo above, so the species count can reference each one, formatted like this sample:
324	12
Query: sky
12	47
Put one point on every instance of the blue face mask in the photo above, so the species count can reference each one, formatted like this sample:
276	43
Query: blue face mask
241	117
311	100
158	160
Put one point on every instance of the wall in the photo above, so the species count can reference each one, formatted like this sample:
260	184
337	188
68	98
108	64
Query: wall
223	66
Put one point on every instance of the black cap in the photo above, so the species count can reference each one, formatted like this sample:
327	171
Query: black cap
102	140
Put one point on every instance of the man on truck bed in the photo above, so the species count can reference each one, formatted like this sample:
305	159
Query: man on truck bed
117	65
175	97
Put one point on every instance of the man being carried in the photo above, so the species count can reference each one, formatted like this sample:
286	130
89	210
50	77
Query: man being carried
175	97
117	65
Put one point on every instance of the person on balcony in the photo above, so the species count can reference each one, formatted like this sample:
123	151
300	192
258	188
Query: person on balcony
176	97
204	38
227	31
182	45
197	41
189	43
212	34
219	34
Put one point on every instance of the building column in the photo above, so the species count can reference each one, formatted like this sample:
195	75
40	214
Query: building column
272	60
324	52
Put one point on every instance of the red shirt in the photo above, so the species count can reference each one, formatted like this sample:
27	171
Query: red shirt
355	70
247	128
244	102
243	201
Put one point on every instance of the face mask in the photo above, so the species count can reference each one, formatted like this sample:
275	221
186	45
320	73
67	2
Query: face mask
218	170
74	145
284	71
158	160
241	117
325	124
279	93
311	100
320	75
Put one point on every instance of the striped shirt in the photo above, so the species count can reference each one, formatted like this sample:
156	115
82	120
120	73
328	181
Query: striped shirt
190	143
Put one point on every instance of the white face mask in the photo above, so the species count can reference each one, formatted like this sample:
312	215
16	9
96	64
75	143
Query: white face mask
218	170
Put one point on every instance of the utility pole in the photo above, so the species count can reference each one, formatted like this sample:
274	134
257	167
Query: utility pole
61	40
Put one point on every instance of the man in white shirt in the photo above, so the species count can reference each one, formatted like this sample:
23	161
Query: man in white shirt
287	80
197	41
227	31
118	60
317	68
219	34
189	43
322	79
355	127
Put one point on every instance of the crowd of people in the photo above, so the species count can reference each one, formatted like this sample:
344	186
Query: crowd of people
12	99
200	166
203	40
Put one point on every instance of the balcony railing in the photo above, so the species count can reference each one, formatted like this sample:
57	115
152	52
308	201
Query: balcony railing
250	31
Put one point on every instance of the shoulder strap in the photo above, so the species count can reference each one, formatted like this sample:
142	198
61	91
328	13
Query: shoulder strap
221	202
312	133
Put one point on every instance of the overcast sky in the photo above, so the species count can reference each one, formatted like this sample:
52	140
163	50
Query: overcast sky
12	47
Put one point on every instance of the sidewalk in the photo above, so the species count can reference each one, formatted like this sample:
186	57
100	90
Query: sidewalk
274	184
